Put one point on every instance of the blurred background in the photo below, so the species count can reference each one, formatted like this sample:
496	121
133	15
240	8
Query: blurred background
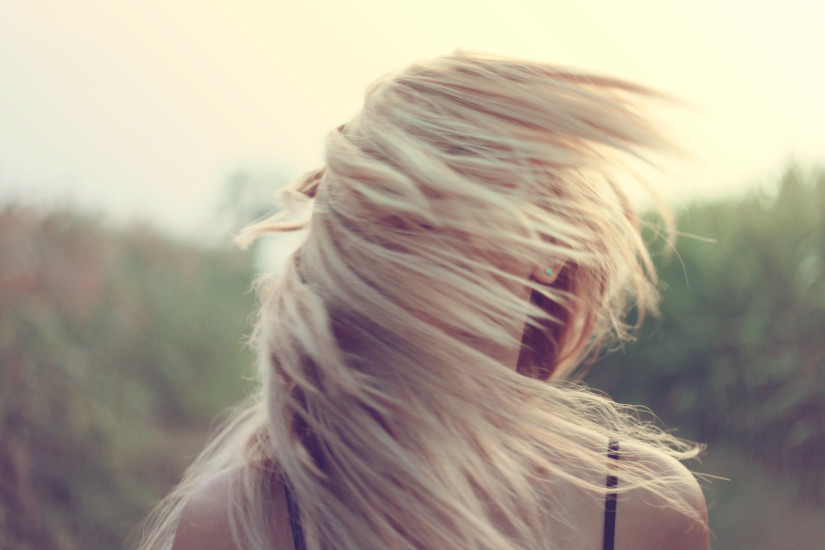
137	136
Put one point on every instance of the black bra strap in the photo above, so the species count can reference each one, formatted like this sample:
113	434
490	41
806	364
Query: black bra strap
610	500
294	514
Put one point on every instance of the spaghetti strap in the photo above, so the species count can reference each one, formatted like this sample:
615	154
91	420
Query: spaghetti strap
610	500
294	515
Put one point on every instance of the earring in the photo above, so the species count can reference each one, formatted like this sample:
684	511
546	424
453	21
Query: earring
549	272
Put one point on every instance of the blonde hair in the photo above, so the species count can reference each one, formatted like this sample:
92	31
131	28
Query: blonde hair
395	429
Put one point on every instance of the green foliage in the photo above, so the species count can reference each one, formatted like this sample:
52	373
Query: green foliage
115	350
738	358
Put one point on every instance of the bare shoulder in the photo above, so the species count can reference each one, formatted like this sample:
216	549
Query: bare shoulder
204	523
645	522
205	519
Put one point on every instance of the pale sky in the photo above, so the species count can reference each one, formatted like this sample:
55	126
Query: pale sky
141	108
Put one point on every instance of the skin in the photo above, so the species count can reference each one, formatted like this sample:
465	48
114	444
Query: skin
642	522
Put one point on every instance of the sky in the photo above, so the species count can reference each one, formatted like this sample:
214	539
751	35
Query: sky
143	108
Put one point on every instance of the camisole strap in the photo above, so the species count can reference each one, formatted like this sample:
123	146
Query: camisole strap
294	515
610	500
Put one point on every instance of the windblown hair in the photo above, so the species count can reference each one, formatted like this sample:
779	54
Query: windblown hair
379	401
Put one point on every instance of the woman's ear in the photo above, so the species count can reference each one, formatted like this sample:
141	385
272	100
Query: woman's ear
547	274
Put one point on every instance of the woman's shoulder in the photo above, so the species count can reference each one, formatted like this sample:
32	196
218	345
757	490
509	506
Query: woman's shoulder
645	521
204	522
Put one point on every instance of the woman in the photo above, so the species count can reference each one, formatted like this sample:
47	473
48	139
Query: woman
467	249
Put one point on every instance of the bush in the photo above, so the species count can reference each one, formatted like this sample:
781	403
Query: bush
738	357
115	350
